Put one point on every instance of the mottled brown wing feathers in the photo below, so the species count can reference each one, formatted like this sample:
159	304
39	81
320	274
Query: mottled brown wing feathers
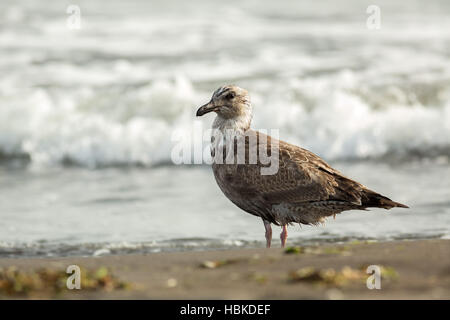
302	177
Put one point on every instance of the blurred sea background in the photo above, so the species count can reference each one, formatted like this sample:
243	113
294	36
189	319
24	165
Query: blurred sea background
87	116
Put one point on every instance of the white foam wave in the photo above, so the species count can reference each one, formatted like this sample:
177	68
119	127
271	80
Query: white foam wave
127	127
340	122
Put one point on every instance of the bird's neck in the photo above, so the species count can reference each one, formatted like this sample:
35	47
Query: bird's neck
238	124
226	131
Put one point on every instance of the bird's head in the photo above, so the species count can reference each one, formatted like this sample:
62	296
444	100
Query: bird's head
229	102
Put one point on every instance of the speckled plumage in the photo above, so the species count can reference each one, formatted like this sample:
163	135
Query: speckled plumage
304	190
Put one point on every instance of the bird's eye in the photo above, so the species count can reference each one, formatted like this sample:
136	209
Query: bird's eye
230	96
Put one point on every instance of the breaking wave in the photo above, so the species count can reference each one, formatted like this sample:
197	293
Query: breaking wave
107	127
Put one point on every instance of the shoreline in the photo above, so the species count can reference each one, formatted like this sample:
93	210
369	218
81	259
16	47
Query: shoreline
413	269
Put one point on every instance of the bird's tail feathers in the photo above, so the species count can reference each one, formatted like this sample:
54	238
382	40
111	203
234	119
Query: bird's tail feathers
379	201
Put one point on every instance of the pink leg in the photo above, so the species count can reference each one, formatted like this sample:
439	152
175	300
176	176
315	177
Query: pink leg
283	236
268	233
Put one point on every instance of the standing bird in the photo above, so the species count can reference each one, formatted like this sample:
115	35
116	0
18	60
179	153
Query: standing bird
304	189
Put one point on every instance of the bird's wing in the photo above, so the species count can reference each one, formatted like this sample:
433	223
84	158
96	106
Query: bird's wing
302	177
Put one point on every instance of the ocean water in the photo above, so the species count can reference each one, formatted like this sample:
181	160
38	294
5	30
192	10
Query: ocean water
88	117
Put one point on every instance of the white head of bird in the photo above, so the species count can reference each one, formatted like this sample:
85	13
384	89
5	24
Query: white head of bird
232	106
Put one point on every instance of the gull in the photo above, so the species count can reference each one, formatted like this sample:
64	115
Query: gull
304	189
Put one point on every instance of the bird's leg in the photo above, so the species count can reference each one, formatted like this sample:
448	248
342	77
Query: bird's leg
268	233
283	236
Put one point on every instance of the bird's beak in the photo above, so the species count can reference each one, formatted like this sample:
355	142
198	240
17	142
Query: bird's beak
204	109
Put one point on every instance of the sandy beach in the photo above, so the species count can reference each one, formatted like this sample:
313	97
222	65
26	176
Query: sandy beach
412	270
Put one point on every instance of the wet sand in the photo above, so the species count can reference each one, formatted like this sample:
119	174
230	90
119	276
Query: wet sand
418	269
